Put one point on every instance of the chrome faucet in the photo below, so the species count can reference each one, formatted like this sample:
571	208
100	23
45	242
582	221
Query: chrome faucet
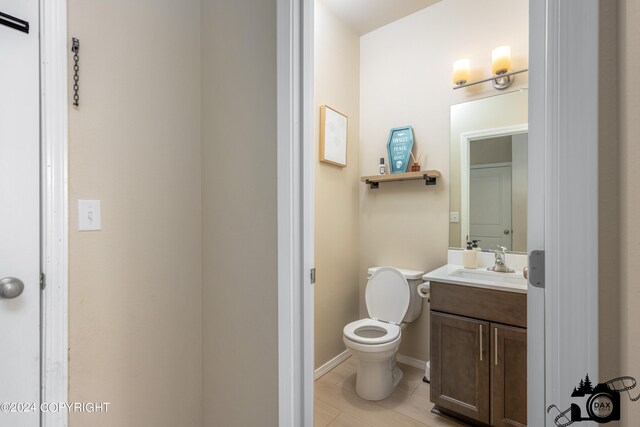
500	266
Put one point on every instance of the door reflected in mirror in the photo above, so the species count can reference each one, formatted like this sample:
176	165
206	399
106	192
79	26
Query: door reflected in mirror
489	139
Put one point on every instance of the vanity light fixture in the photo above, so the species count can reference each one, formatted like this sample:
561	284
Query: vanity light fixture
461	72
500	68
501	60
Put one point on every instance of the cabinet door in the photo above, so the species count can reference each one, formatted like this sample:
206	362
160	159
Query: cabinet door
460	365
508	376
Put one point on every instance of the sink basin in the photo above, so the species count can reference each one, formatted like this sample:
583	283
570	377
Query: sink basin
490	276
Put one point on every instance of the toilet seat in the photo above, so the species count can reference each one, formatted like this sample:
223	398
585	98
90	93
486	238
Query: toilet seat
371	332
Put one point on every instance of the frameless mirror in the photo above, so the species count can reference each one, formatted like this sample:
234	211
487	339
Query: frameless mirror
488	200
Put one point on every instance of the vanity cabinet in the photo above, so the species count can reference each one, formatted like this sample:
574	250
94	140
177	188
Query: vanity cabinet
460	366
508	376
479	354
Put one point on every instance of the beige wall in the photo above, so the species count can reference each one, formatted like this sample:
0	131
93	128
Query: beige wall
135	286
406	79
139	314
619	197
239	301
491	150
337	76
629	16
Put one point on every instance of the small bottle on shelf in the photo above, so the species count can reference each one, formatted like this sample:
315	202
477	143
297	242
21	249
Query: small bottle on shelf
382	169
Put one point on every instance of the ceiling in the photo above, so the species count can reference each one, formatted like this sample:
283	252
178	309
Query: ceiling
366	15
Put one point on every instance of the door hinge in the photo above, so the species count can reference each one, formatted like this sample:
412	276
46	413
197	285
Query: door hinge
536	269
313	276
43	281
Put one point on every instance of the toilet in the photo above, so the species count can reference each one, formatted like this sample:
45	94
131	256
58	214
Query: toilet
392	301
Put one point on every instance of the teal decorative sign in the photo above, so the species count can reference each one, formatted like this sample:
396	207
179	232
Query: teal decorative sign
399	148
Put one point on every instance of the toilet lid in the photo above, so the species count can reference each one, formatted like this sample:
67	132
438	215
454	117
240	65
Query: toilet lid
387	295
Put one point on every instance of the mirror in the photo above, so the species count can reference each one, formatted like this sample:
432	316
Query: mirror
488	199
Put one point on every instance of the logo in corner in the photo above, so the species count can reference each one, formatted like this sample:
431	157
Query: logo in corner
601	403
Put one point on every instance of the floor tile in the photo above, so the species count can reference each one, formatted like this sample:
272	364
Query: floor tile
343	397
423	390
337	403
345	420
338	373
412	406
411	377
323	414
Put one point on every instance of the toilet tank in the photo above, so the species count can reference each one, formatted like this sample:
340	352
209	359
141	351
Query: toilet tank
414	278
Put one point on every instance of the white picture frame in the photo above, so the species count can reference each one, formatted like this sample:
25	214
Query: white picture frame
333	136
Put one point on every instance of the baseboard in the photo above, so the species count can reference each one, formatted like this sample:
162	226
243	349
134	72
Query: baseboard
331	364
411	361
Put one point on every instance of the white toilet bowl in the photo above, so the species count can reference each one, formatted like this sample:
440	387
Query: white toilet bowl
374	345
374	341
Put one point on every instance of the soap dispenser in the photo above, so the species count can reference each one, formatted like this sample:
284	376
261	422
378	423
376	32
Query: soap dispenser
470	257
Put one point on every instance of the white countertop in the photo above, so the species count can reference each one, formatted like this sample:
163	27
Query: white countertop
499	281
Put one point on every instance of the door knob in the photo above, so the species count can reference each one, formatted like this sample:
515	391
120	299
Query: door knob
506	231
10	287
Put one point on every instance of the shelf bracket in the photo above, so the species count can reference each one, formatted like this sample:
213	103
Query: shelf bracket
430	180
373	184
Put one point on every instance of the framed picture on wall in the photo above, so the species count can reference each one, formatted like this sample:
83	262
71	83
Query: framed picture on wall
333	136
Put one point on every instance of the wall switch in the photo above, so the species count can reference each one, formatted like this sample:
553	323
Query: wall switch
89	215
454	217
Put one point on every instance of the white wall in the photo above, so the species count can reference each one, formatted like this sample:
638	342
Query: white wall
406	80
337	84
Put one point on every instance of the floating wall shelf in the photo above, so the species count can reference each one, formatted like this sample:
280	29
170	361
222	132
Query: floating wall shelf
429	177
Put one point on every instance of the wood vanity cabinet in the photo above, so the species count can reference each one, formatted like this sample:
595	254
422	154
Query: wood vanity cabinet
460	366
508	376
479	354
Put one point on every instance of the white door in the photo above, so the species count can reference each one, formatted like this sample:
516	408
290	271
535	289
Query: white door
19	217
490	206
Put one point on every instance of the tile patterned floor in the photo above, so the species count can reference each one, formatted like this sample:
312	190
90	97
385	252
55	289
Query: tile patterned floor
338	405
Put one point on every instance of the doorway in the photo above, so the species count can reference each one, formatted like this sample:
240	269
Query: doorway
490	206
546	76
402	224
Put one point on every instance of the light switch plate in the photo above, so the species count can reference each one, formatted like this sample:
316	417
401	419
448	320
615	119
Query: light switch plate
454	217
89	215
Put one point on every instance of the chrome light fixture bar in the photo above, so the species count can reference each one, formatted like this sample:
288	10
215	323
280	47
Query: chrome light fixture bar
500	68
499	81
